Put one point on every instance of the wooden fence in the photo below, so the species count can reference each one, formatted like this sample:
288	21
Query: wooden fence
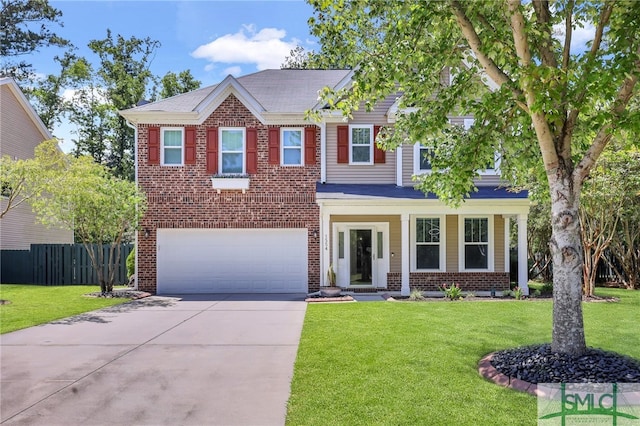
58	264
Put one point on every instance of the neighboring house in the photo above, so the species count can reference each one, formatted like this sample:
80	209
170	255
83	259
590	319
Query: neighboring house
245	195
21	130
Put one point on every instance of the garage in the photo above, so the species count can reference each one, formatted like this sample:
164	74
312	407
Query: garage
232	261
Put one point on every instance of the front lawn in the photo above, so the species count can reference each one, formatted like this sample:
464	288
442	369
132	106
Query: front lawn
409	363
32	304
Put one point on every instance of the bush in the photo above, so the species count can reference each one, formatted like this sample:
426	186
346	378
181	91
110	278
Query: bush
452	292
131	263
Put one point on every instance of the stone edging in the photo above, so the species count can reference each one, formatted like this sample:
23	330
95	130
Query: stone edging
329	299
488	371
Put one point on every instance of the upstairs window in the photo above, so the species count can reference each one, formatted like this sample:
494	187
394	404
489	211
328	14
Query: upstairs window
172	151
361	144
421	159
292	147
232	150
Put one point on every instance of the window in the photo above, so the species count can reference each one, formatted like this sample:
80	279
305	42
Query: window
421	157
292	147
172	152
232	150
361	144
476	248
428	243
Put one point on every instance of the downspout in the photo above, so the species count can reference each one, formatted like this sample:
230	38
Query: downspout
135	166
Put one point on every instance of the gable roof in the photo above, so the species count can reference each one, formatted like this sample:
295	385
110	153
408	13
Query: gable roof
270	95
28	109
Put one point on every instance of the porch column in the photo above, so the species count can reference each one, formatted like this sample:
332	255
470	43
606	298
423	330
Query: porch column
507	243
324	246
404	289
523	267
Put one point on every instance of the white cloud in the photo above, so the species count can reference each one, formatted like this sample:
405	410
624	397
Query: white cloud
266	48
235	71
579	36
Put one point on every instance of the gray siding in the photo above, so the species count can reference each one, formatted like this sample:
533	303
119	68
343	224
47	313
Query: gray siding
19	135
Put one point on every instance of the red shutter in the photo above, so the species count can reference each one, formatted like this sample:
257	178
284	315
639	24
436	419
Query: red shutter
274	145
212	150
153	146
310	145
252	151
190	145
379	155
343	144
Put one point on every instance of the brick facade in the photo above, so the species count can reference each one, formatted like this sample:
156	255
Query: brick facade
468	281
183	197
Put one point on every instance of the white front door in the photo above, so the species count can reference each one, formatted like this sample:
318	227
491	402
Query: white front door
361	254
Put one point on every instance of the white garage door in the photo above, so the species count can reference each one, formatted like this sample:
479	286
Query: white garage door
232	261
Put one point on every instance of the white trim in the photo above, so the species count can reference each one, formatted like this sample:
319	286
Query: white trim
442	245
399	166
416	160
323	152
405	241
351	146
507	243
490	243
222	91
244	149
523	269
282	149
162	147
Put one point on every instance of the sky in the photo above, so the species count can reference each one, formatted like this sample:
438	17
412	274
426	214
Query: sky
212	38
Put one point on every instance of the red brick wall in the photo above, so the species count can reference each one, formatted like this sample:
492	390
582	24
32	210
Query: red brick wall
468	281
183	197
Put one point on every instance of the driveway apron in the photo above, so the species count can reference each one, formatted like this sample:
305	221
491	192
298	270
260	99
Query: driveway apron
183	360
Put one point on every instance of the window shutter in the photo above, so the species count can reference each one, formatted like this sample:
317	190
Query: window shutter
274	145
190	145
212	150
379	155
343	144
310	145
153	146
252	151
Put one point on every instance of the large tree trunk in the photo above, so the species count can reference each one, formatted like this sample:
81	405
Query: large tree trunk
566	249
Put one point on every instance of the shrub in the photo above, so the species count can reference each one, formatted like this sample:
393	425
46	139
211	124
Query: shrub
131	263
452	292
416	294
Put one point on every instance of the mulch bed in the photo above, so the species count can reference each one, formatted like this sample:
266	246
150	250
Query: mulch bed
128	294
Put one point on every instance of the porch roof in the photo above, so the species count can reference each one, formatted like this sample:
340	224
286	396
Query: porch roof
338	190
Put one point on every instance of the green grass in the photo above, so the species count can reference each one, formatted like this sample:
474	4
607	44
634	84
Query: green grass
32	305
410	363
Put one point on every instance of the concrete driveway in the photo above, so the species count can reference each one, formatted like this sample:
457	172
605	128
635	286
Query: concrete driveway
187	360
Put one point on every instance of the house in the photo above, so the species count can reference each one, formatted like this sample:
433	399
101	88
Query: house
21	130
245	195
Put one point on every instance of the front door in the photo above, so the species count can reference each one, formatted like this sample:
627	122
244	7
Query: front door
361	255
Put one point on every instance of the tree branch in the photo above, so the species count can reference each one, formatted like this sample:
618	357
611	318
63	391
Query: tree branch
591	56
490	67
543	17
604	134
568	34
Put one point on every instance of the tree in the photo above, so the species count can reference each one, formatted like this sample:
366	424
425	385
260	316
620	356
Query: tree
25	28
100	208
24	179
174	84
124	71
625	246
46	95
551	110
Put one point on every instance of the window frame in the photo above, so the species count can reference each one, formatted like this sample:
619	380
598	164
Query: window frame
462	243
221	130
282	147
414	243
351	145
181	147
417	147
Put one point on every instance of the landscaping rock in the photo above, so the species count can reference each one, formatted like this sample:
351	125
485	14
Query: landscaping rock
538	364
